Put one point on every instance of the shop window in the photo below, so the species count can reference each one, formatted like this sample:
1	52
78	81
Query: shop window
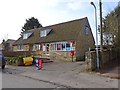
68	47
59	46
63	46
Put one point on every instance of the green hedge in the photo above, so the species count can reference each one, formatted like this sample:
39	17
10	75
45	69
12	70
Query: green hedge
15	60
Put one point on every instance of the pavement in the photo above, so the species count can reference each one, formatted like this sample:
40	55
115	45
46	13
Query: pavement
111	69
67	74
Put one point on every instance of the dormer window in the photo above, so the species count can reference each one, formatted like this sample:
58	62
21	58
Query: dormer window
45	32
26	35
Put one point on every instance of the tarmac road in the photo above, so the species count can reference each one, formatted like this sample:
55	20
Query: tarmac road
14	80
56	75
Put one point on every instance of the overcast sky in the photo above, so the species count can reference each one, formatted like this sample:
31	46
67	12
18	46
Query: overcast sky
13	13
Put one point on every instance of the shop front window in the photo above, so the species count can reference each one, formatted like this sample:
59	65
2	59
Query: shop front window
61	46
68	48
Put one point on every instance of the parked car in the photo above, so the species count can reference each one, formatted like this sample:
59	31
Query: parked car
2	60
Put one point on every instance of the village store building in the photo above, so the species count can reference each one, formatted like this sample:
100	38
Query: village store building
59	39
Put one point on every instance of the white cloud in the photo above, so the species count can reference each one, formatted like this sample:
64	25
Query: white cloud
14	13
75	5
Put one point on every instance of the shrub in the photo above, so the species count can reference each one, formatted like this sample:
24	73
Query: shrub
15	60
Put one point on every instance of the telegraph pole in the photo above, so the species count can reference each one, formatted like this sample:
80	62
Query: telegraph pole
118	29
101	31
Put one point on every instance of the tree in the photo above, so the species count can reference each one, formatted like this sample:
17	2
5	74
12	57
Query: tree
110	28
31	23
5	45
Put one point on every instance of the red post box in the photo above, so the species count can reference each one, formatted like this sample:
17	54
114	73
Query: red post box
40	64
72	53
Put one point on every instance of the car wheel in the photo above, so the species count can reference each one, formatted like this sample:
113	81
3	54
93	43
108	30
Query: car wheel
3	66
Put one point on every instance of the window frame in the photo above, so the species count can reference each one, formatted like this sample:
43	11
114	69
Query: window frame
87	29
19	47
54	46
43	33
26	35
36	47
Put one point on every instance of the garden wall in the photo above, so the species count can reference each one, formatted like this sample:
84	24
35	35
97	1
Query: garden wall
61	56
104	57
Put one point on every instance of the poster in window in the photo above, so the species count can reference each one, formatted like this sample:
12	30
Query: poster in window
63	46
68	48
59	46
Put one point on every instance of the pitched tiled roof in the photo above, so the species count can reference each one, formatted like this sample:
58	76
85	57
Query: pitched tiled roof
34	38
10	41
60	32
